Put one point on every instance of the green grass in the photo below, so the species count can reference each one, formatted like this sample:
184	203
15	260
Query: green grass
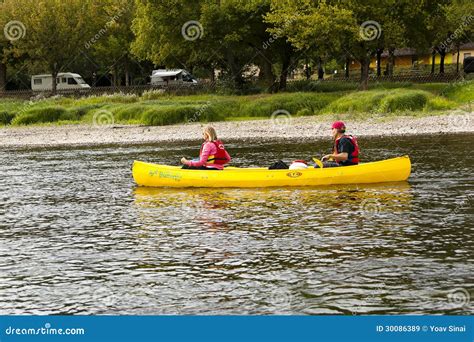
388	102
158	108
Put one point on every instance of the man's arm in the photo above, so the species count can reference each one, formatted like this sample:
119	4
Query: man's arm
345	148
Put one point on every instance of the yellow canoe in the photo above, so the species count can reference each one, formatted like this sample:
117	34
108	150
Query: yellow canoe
154	175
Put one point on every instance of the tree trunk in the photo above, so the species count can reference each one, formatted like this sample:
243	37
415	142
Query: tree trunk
213	75
307	71
348	63
442	53
364	76
284	72
320	69
266	72
457	58
54	75
235	71
3	77
391	61
433	60
127	72
379	59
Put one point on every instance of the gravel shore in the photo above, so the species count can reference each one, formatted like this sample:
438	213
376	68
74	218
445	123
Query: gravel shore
300	128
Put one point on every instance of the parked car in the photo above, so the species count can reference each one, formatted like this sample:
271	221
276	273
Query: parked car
64	81
468	64
168	77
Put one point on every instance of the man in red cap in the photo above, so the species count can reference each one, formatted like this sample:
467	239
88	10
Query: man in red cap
345	150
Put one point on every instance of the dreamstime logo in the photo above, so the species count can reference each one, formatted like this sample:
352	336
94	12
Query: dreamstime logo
370	30
105	295
14	30
460	119
460	30
280	299
197	115
280	117
370	207
103	117
192	30
14	212
108	25
459	297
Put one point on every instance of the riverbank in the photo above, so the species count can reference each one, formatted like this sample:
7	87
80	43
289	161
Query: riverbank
285	127
155	108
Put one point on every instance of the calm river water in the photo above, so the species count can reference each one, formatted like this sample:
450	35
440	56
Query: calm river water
77	237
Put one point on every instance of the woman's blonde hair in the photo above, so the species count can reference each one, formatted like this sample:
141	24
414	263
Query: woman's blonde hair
211	132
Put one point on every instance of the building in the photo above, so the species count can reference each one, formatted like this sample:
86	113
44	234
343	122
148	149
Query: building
411	61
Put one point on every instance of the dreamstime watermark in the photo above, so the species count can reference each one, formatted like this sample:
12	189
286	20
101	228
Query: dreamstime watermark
459	206
459	297
370	207
460	119
112	21
370	30
105	295
280	299
14	212
197	114
460	30
373	298
14	30
281	118
266	44
103	117
276	35
47	329
192	30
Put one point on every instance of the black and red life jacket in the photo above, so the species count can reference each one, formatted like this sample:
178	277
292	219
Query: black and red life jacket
220	157
353	158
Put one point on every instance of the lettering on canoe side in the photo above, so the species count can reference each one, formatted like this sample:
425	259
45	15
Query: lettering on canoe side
165	174
294	174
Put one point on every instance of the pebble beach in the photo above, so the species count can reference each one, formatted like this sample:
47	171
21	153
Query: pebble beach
292	128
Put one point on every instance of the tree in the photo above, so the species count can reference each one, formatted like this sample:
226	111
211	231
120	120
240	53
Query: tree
317	30
111	47
56	30
459	20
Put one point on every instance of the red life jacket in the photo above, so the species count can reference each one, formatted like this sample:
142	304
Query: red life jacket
220	157
354	156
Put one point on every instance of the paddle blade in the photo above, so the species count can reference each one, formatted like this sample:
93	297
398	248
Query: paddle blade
318	162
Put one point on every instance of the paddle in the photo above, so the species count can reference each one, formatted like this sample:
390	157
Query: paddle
318	162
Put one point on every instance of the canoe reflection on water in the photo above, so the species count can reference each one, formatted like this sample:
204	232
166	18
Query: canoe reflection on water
253	211
232	233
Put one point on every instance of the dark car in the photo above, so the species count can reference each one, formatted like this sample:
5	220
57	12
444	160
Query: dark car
468	64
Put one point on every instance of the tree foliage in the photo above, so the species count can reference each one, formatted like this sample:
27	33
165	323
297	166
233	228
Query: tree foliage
239	39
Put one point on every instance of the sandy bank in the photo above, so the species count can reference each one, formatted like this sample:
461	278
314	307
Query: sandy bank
300	128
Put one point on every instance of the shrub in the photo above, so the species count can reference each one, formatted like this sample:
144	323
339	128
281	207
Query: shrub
40	115
439	103
77	113
366	101
168	115
461	92
265	106
404	100
6	118
130	112
216	111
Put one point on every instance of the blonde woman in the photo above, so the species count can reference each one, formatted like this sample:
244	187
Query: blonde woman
212	155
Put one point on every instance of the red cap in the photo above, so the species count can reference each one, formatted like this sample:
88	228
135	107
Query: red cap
338	125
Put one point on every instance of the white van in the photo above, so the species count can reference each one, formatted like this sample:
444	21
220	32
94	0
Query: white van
64	81
171	76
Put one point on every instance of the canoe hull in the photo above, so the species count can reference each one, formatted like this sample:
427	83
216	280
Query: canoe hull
154	175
